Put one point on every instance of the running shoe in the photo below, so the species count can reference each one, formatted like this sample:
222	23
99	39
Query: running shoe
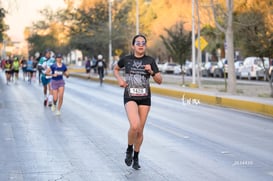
129	158
45	102
49	104
58	113
53	108
136	164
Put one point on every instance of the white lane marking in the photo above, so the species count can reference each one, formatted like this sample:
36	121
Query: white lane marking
270	173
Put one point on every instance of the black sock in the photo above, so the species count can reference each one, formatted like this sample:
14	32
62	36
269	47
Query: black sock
55	102
130	148
136	155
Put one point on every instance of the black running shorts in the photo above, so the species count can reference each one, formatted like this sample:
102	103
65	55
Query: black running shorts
145	101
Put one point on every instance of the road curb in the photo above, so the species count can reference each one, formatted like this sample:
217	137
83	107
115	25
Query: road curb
197	98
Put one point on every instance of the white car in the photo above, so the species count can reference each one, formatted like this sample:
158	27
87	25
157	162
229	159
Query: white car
160	66
252	68
173	68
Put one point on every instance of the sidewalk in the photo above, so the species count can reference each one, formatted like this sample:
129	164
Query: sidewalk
188	95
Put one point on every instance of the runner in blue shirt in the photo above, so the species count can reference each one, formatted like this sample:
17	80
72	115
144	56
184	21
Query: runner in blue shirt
29	69
57	71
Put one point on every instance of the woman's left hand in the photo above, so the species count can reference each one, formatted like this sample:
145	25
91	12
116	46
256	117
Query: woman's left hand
148	68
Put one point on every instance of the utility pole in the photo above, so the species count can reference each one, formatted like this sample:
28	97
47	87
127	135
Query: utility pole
110	32
193	47
137	17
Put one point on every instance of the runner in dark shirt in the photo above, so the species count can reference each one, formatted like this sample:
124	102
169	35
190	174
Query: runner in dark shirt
137	94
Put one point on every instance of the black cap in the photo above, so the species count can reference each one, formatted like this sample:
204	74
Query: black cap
47	51
59	55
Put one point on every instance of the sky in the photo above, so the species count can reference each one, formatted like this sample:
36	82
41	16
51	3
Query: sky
21	13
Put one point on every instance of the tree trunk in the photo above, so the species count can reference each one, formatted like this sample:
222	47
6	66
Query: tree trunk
230	50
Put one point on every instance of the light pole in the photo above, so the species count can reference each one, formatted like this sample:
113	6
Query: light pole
110	32
137	14
193	47
137	17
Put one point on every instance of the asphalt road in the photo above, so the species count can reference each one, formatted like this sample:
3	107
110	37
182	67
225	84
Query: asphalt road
183	140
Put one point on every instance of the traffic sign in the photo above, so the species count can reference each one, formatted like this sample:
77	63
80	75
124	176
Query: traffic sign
203	43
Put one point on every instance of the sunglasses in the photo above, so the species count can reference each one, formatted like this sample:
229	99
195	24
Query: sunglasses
138	43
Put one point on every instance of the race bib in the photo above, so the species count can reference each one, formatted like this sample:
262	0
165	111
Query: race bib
138	92
59	72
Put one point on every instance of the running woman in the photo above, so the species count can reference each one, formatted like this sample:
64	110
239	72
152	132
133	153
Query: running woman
44	63
101	65
137	94
30	69
15	68
88	67
8	69
24	67
57	70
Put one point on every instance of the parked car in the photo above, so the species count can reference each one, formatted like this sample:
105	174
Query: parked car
238	64
188	68
271	72
160	66
252	68
270	69
208	68
225	66
171	68
217	70
177	70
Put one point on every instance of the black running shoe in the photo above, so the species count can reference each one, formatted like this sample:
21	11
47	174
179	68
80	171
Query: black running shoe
136	164
129	158
45	102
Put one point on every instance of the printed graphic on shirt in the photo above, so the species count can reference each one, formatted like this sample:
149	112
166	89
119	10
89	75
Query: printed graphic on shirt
137	80
100	64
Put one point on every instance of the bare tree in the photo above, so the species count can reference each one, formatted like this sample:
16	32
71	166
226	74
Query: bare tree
227	27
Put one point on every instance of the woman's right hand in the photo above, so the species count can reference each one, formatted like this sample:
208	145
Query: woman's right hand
122	83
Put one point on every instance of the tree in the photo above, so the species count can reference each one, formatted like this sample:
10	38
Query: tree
122	29
224	22
178	43
89	29
39	43
255	29
216	39
3	26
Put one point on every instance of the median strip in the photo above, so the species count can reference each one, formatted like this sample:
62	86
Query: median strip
255	107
